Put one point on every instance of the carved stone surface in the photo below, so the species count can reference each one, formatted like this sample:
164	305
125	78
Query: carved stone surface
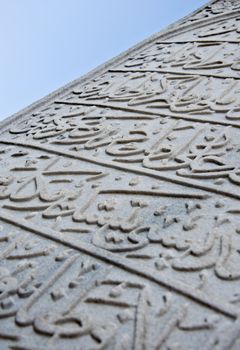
120	200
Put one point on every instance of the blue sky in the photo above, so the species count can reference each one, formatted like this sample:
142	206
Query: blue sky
47	43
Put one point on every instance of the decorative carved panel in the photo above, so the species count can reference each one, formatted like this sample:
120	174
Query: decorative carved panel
120	200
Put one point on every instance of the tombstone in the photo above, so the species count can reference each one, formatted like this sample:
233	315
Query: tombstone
120	200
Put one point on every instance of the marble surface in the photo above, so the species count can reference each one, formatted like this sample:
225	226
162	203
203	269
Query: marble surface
120	200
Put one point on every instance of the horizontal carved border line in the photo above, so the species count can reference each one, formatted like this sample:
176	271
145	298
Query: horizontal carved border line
173	29
165	71
141	171
139	111
196	295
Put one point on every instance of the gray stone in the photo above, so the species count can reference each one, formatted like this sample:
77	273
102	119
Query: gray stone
119	200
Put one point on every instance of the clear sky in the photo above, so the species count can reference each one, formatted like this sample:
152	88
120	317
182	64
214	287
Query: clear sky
47	43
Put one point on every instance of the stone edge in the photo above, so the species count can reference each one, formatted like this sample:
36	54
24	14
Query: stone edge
102	68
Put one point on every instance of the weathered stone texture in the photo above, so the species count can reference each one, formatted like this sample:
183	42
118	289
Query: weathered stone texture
120	200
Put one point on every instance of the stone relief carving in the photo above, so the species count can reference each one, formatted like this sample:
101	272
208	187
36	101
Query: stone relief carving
119	202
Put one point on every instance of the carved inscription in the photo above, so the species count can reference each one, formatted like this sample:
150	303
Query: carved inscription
120	201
